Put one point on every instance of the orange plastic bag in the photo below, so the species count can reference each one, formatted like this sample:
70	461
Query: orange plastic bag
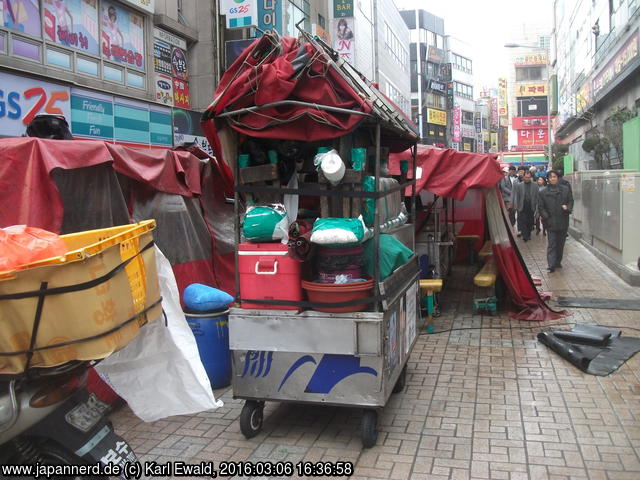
20	244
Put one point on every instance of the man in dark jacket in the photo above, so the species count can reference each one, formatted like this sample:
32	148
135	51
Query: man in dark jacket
506	188
555	203
524	198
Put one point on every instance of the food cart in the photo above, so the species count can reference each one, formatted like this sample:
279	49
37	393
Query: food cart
291	350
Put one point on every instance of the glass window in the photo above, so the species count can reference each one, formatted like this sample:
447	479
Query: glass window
87	65
414	36
26	49
321	21
467	117
112	73
530	73
58	58
432	39
135	79
439	41
3	43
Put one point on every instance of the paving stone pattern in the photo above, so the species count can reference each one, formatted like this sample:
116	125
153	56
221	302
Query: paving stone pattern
486	401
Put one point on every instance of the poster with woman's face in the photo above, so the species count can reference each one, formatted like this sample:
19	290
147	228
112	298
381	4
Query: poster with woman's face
344	37
21	15
122	38
72	23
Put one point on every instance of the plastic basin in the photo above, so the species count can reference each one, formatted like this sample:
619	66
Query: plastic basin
331	292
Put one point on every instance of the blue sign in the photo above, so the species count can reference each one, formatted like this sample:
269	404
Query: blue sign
269	16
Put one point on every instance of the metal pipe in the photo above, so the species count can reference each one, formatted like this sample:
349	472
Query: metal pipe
293	102
419	72
376	223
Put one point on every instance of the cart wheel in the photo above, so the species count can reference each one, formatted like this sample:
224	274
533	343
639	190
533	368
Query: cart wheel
369	428
251	418
401	382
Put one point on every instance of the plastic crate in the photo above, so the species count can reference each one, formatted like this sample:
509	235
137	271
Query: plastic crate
118	267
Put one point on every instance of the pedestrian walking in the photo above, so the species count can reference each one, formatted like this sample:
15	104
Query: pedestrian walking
525	201
537	220
555	204
506	188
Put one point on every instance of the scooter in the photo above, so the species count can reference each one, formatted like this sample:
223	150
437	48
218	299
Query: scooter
47	417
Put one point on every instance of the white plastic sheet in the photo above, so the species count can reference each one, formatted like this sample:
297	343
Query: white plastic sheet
159	374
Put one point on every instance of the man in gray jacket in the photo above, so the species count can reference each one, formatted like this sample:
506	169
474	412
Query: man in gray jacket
554	206
524	199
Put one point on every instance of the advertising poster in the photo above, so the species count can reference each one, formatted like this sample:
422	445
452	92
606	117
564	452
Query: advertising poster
21	15
457	113
24	97
122	38
164	89
161	57
344	38
179	64
437	117
186	129
412	314
91	114
181	98
72	23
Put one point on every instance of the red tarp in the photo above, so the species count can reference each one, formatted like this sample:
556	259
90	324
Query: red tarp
29	196
450	173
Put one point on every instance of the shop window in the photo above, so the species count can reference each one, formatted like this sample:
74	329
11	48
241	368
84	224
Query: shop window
87	65
135	79
111	73
58	58
25	49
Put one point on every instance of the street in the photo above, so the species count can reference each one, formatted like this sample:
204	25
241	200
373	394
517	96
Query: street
483	401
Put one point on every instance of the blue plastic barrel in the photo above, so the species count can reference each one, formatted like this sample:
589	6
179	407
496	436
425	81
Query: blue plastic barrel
211	330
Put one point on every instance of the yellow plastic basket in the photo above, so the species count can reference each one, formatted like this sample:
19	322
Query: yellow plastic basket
90	323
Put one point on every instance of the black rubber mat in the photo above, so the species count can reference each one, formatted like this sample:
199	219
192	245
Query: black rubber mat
593	349
607	303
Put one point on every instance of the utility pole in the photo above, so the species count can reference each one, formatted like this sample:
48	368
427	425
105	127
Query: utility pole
419	72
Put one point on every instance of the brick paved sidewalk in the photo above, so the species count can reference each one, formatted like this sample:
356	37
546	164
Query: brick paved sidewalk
482	403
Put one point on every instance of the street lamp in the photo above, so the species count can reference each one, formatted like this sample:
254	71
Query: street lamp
548	52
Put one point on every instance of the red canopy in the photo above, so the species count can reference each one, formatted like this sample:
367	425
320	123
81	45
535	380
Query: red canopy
29	196
449	173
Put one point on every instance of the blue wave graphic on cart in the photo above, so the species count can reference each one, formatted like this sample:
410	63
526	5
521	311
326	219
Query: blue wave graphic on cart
257	364
331	370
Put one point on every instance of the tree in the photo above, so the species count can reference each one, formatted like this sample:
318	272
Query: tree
558	151
598	145
613	128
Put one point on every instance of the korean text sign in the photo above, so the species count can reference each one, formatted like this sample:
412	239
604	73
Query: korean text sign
72	23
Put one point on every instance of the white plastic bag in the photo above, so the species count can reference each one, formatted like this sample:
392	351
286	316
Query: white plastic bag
159	374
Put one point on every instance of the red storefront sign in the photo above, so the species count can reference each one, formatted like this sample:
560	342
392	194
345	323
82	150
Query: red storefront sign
526	123
181	97
538	136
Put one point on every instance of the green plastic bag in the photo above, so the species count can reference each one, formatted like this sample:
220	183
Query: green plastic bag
393	254
265	223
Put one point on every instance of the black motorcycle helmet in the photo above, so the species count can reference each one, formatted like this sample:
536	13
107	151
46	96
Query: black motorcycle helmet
45	125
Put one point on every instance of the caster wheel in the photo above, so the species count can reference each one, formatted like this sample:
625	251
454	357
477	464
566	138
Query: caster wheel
401	382
251	418
369	428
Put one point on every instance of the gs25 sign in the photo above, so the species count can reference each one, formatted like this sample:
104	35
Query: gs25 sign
25	98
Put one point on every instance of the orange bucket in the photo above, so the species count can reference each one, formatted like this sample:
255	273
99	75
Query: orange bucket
338	292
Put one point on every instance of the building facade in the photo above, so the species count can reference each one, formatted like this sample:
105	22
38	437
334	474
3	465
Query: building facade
429	76
463	130
596	55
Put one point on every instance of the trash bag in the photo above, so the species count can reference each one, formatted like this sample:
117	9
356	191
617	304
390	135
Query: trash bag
266	224
339	231
20	245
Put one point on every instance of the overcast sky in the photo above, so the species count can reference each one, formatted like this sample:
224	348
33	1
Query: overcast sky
487	25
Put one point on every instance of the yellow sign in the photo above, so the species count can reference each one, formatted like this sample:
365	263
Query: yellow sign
534	59
437	117
583	97
502	97
467	147
532	90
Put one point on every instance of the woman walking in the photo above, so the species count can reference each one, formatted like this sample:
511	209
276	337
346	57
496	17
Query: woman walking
555	203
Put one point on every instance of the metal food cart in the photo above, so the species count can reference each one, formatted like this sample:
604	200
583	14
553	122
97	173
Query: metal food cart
342	359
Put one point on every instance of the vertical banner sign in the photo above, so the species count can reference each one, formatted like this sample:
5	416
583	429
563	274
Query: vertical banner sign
342	8
269	16
72	23
502	97
122	37
171	70
344	38
457	114
240	13
495	119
